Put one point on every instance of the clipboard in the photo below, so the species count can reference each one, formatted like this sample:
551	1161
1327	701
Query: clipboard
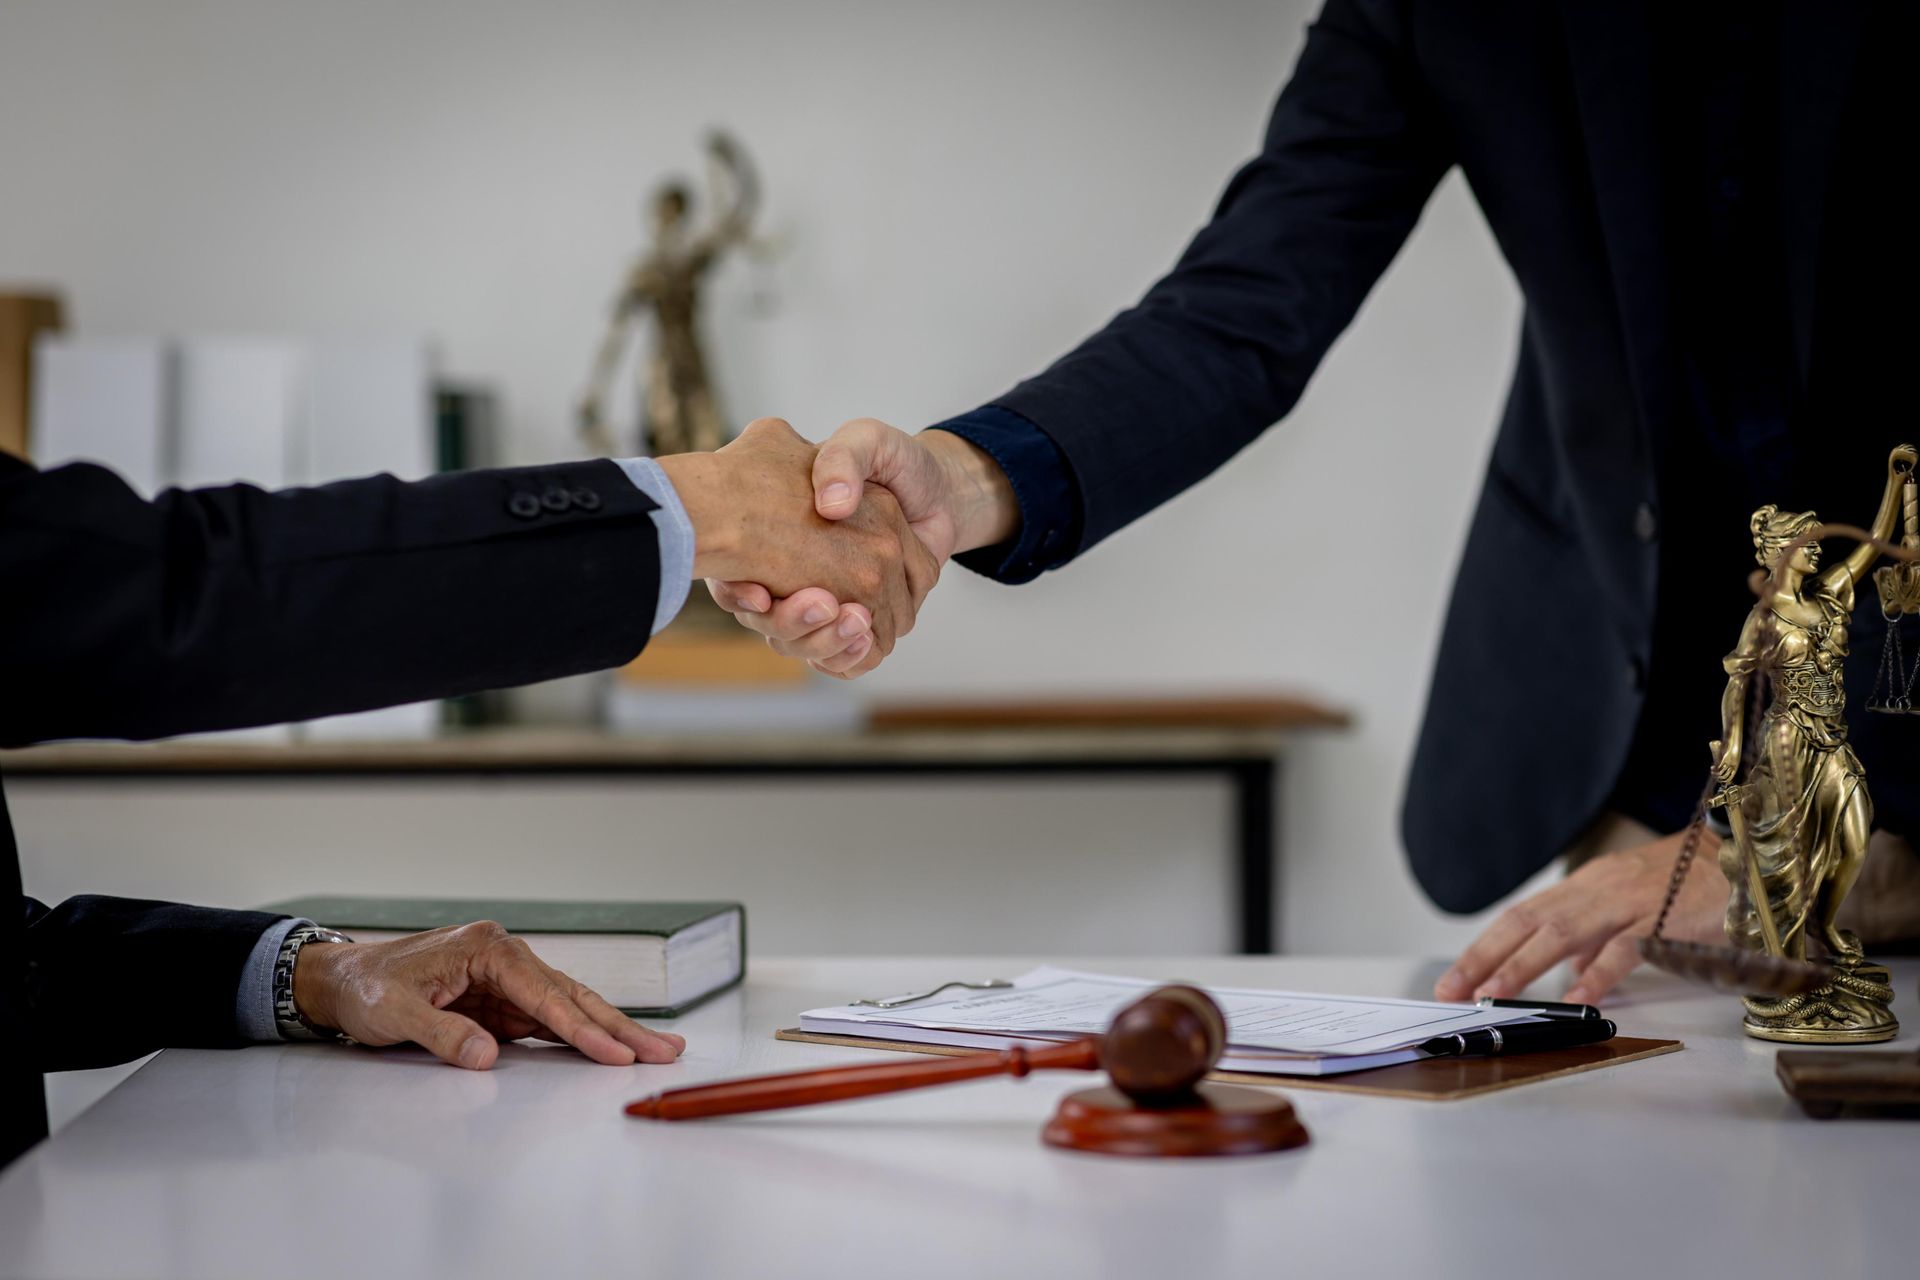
1428	1080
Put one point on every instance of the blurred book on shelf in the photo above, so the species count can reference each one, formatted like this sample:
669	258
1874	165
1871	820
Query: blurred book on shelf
827	706
683	655
24	317
694	679
465	435
104	400
237	414
370	408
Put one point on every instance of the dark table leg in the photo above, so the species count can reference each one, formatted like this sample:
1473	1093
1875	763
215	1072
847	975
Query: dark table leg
1254	845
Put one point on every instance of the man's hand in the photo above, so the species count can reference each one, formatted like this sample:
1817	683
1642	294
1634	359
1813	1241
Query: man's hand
1595	918
754	515
953	496
458	992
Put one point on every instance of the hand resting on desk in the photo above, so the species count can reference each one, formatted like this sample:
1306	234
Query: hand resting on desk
1594	918
858	573
459	991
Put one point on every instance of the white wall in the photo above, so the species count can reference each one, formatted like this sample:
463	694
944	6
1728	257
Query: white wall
959	192
936	867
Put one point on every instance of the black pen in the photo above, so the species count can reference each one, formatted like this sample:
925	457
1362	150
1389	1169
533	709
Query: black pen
1546	1008
1522	1037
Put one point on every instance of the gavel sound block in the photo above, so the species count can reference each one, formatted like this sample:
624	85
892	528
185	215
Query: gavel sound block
1156	1053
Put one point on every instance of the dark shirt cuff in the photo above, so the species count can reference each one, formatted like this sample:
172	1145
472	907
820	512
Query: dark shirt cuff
1043	484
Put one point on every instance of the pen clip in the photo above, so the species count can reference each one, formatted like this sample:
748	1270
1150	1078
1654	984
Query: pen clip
1543	1008
894	1002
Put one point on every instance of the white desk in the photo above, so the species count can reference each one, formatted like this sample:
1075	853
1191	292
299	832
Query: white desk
319	1161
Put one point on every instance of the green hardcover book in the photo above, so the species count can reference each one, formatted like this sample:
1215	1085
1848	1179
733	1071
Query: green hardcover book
652	959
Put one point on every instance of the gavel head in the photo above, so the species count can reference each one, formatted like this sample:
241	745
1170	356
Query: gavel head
1162	1044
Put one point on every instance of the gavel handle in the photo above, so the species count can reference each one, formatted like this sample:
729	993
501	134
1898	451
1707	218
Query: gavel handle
835	1084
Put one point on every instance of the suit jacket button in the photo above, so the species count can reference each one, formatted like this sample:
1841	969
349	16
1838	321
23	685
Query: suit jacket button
555	500
1646	526
586	499
524	505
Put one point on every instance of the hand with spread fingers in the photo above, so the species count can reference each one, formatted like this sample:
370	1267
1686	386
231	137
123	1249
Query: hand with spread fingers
952	495
458	992
1593	919
856	572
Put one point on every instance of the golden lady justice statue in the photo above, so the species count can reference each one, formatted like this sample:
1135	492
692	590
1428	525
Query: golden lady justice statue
678	412
1802	816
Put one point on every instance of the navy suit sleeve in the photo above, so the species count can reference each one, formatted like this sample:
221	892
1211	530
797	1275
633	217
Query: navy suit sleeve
1042	485
1222	347
225	607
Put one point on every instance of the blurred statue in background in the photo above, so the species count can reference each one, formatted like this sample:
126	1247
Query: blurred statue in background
1801	815
678	412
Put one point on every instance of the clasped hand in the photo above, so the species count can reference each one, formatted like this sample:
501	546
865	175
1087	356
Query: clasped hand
949	494
857	573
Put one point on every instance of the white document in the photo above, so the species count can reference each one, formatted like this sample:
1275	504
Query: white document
240	412
369	409
1284	1032
104	400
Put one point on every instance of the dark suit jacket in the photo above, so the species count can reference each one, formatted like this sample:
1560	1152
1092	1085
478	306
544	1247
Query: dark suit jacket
1548	109
220	608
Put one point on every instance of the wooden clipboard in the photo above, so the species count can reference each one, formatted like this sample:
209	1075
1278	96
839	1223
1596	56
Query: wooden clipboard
1430	1079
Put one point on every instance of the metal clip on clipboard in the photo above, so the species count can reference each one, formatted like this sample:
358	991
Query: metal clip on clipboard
895	1002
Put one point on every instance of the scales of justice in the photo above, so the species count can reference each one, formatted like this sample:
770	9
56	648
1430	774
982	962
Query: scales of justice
679	411
1794	795
679	406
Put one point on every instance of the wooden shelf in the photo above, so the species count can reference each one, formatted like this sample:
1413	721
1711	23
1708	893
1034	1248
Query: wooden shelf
1259	711
902	734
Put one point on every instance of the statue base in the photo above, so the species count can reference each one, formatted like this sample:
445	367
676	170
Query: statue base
1854	1008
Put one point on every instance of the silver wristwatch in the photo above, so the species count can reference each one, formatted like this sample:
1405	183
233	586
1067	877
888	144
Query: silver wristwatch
287	1018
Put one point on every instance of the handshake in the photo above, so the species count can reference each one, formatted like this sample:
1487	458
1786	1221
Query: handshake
829	551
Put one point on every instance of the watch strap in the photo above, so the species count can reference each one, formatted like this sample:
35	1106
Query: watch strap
287	1018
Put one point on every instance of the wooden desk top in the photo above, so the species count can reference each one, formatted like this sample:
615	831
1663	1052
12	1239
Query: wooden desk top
385	1163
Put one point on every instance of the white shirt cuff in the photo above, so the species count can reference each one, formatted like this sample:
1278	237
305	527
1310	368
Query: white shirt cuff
253	1006
676	536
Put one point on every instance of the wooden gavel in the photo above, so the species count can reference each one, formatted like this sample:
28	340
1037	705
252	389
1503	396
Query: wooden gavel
1157	1048
1156	1052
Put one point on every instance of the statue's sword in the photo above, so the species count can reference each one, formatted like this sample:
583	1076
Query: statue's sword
1728	798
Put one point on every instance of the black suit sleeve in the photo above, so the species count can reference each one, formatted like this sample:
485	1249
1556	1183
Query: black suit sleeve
220	608
108	979
1223	346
